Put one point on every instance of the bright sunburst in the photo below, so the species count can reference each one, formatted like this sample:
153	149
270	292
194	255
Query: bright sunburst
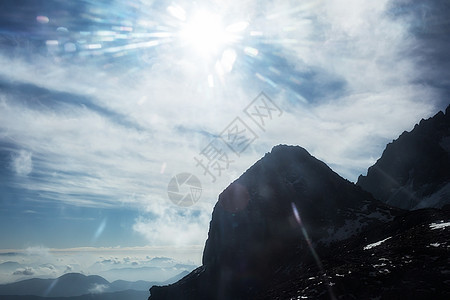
206	36
205	33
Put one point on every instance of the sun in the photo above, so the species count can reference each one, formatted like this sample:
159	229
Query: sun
205	33
209	39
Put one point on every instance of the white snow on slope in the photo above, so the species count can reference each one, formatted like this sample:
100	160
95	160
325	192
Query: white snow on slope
370	246
439	225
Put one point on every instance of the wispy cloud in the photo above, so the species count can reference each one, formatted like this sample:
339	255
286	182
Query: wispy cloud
98	131
22	162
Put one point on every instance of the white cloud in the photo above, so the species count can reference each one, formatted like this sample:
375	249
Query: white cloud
169	225
38	251
22	162
98	288
159	114
68	269
25	272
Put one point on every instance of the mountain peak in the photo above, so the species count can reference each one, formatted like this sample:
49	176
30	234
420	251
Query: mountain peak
283	148
413	170
290	227
258	222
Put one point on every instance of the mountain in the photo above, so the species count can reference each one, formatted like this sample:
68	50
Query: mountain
406	258
175	278
146	273
128	295
71	284
291	228
122	285
78	285
414	170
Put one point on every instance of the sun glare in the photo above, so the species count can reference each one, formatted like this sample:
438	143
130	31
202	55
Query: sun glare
209	37
205	33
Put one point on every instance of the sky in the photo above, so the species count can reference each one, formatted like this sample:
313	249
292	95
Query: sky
103	103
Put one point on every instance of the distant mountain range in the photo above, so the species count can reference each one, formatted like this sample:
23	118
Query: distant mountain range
135	274
291	228
122	295
79	286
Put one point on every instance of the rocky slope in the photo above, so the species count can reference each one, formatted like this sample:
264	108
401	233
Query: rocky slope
414	170
407	258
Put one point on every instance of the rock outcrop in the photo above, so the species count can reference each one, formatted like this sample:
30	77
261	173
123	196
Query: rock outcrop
414	170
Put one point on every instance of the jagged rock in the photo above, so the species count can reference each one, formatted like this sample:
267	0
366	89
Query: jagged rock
414	170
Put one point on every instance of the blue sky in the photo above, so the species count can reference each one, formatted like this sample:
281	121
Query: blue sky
103	102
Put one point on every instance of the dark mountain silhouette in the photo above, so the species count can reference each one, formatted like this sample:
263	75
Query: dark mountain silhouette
71	284
414	170
290	227
147	273
122	285
122	295
79	285
174	279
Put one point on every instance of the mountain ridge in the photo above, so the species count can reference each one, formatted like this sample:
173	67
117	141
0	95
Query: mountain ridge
290	227
283	206
413	171
76	285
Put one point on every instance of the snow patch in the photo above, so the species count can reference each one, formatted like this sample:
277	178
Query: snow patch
439	225
370	246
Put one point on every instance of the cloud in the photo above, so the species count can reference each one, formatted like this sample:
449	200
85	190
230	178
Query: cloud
88	260
39	251
114	261
26	272
98	288
110	129
68	269
22	162
169	225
